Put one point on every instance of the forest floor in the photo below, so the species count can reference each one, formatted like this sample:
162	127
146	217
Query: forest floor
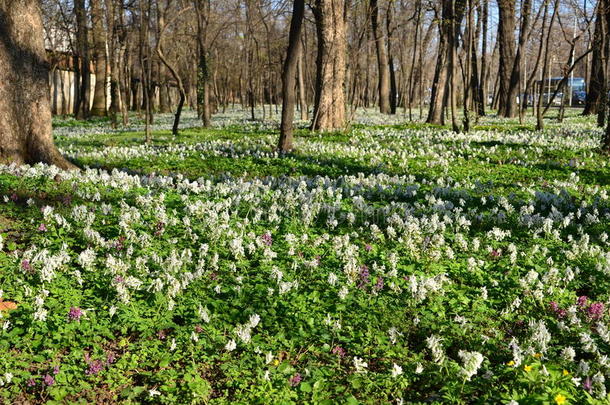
391	262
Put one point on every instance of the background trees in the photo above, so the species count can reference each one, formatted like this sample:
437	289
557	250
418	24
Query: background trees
435	56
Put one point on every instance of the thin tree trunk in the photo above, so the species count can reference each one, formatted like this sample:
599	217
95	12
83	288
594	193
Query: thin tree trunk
288	76
99	54
545	67
302	90
382	60
82	42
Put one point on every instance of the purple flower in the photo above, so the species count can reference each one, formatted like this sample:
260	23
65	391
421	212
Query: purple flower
368	247
339	351
75	314
42	228
110	358
582	301
48	380
31	382
55	370
267	239
379	285
595	310
588	385
161	334
495	253
554	306
295	379
14	197
364	276
119	279
25	265
95	367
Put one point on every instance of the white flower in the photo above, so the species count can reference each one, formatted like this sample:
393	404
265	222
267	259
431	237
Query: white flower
434	344
360	365
472	362
172	346
203	314
231	345
419	368
568	354
343	292
268	357
153	392
396	370
254	320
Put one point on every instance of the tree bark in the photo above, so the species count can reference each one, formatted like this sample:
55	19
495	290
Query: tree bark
99	54
437	105
82	43
25	110
594	95
382	60
289	74
302	90
483	77
329	111
509	81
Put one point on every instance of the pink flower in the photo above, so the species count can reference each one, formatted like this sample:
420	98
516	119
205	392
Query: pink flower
582	301
42	228
75	314
48	380
295	379
595	310
339	351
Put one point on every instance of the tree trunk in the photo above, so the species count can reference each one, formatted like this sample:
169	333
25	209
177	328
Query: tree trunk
288	75
508	74
437	106
391	64
203	69
82	43
25	110
99	54
594	95
382	60
329	111
483	77
302	90
545	67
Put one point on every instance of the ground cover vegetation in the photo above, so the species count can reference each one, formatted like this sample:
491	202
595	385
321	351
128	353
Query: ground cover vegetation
390	262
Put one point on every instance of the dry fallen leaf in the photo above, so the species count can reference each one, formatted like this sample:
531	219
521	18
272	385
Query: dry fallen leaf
7	305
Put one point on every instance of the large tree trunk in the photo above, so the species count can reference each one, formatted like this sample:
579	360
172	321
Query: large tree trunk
288	75
25	110
99	54
382	60
329	111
